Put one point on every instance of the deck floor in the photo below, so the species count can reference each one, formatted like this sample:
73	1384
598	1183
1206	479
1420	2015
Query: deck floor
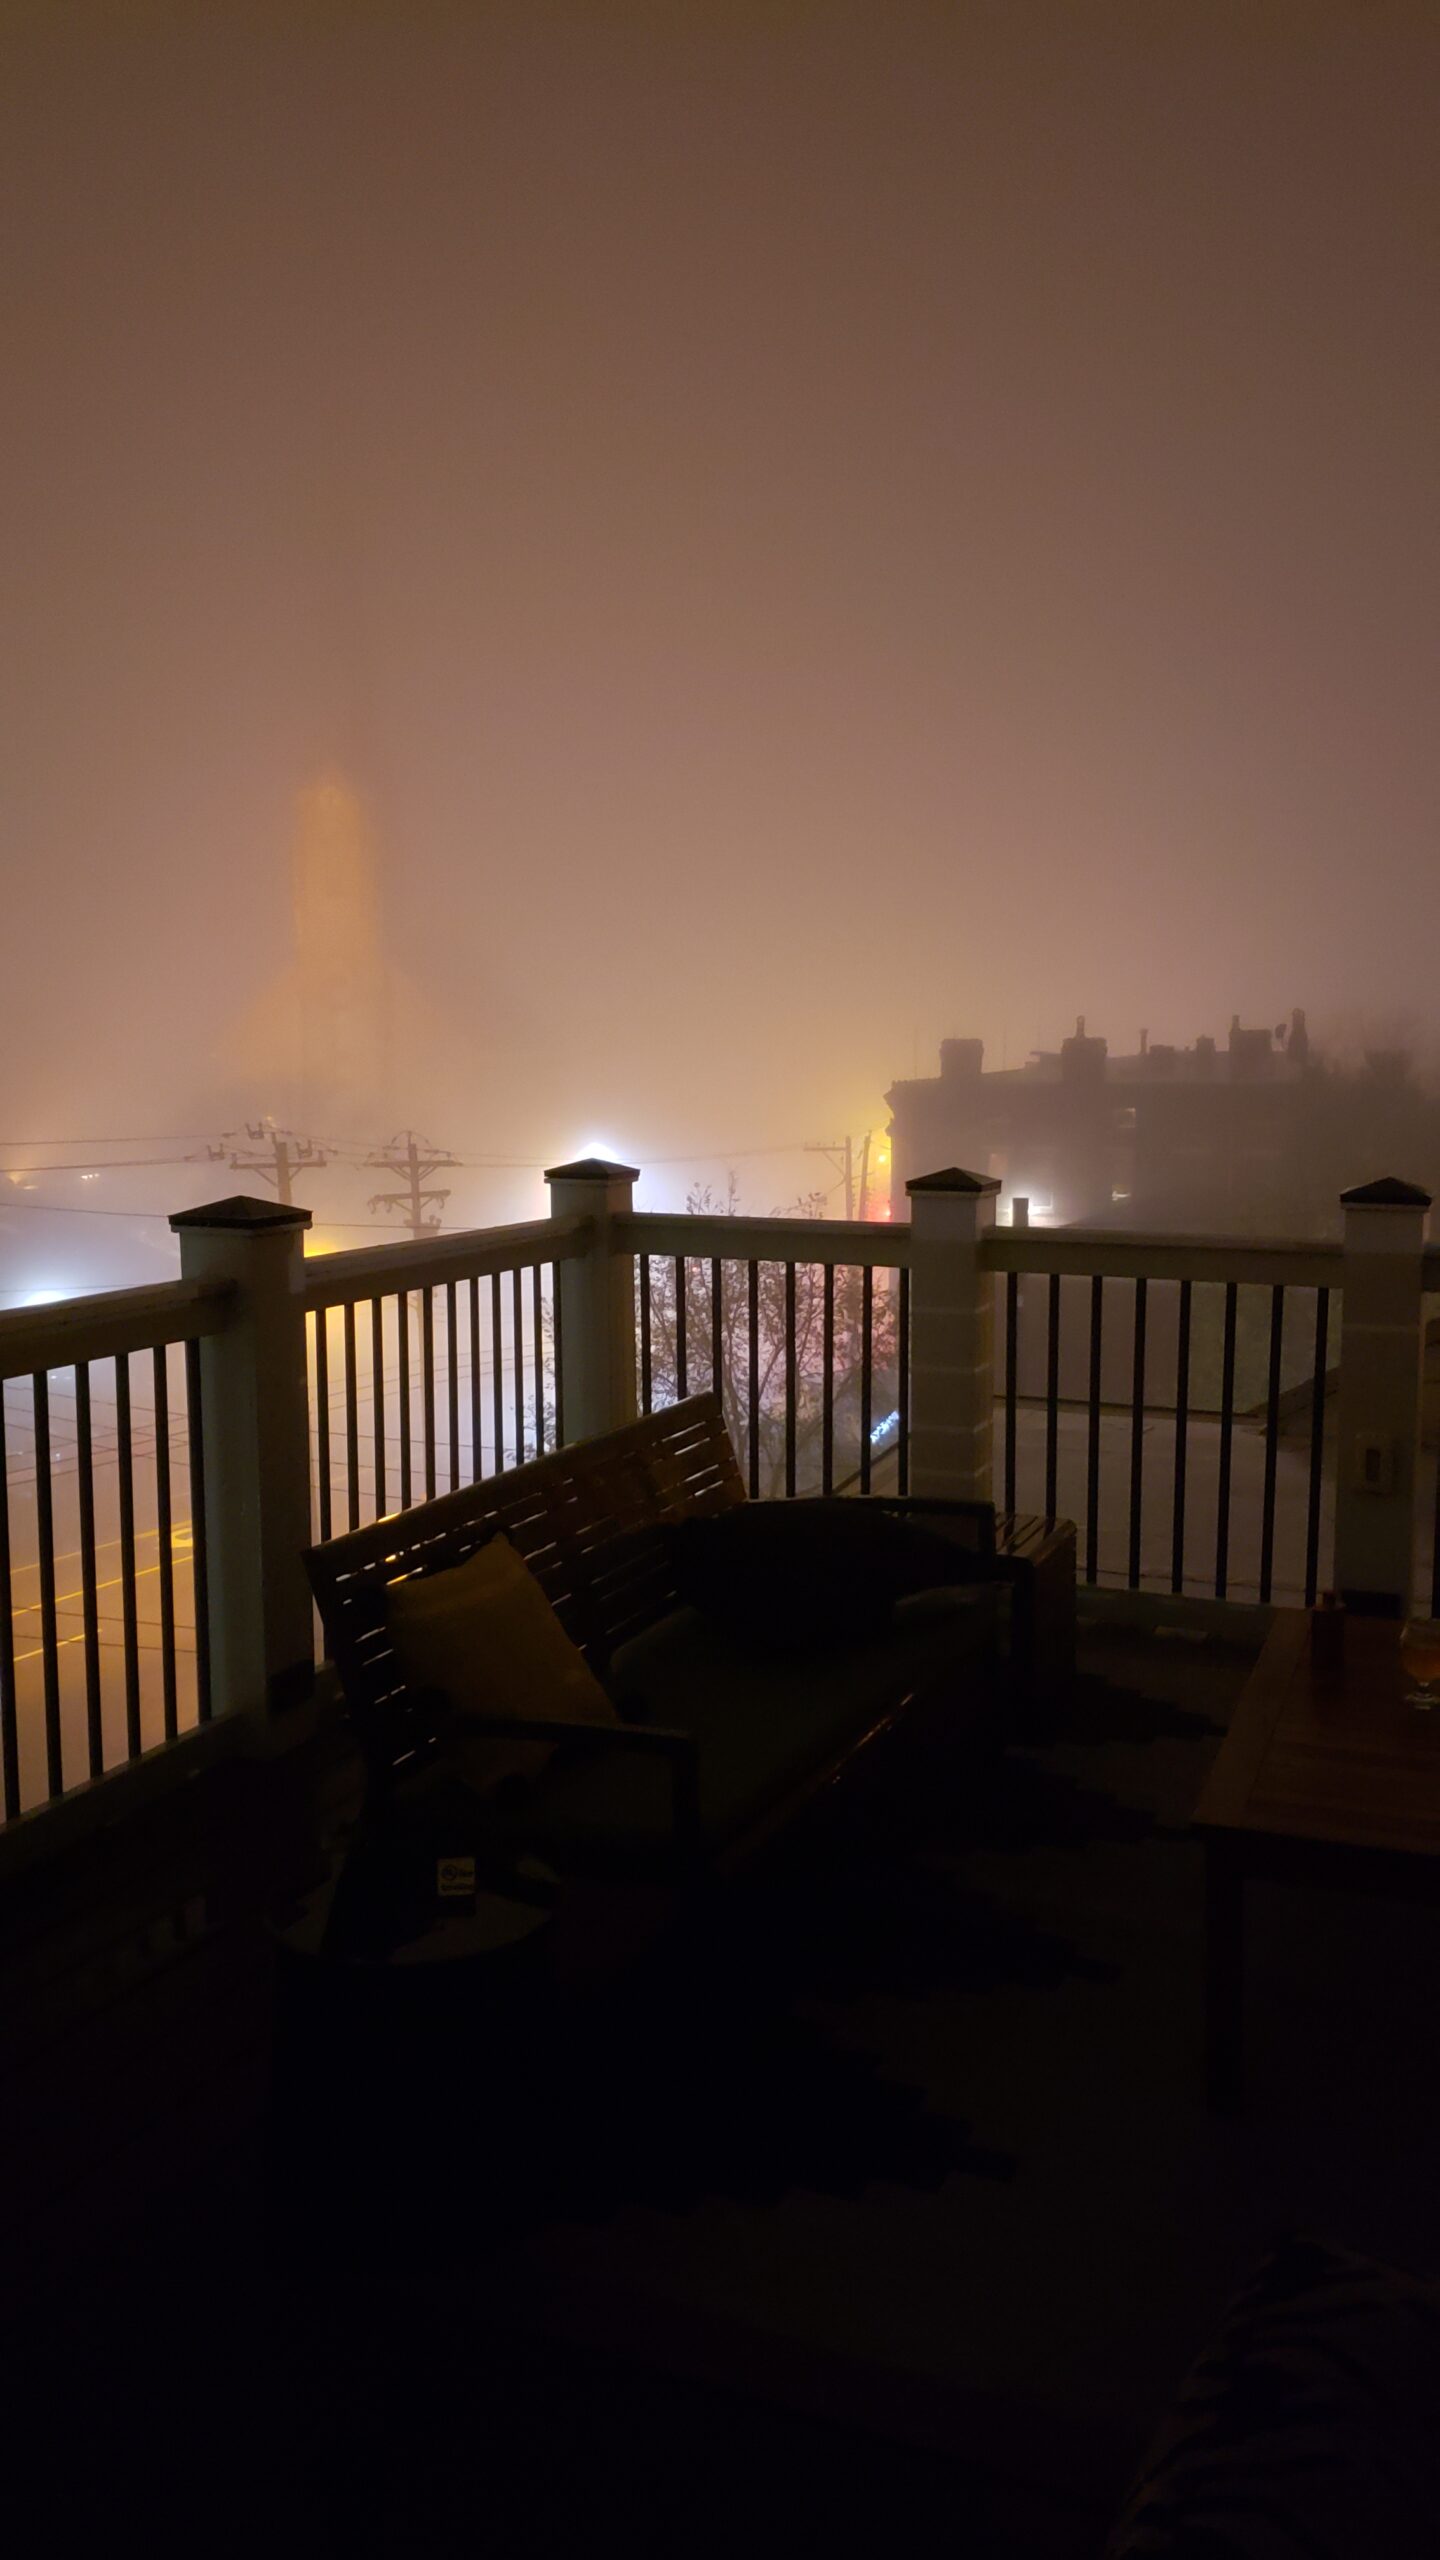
898	2204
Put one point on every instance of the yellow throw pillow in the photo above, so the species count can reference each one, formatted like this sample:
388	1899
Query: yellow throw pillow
485	1637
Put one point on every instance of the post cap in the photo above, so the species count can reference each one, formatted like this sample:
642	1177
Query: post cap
242	1216
954	1178
1387	1193
593	1169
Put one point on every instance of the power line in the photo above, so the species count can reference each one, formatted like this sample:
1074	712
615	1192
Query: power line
107	1164
166	1138
74	1209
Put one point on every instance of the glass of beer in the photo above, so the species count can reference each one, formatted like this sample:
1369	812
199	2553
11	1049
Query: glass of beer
1420	1656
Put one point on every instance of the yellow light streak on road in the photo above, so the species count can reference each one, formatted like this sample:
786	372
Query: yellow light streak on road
181	1542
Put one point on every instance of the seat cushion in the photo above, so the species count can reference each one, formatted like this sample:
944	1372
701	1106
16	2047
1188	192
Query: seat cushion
821	1571
1307	2431
763	1726
484	1637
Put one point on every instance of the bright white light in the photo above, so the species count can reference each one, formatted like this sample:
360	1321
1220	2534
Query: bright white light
880	1429
604	1149
42	1297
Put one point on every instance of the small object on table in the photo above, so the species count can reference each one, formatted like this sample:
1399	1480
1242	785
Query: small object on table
455	1886
1327	1636
1420	1658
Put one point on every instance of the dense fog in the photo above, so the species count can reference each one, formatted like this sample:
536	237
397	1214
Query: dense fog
614	575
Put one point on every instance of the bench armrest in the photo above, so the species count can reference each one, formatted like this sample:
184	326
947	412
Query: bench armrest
939	1507
665	1742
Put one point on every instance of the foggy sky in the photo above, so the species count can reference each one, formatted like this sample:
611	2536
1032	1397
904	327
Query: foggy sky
812	528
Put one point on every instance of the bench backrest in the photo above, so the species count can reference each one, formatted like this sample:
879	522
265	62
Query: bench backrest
587	1519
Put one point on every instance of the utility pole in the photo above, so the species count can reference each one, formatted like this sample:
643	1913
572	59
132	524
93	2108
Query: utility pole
282	1155
864	1201
412	1160
841	1153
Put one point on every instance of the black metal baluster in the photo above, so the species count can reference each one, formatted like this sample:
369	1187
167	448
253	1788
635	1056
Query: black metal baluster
902	1445
647	1380
1227	1429
322	1417
790	1378
517	1360
165	1551
9	1716
1052	1399
1272	1442
427	1385
497	1379
1435	1550
199	1547
452	1384
89	1592
1182	1438
352	1416
377	1399
752	1377
827	1385
682	1363
556	1303
1012	1353
1317	1447
476	1469
402	1385
867	1379
1092	1454
129	1614
717	1326
1137	1434
537	1352
49	1621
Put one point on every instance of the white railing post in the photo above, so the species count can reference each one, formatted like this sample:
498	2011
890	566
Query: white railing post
255	1410
952	1335
1378	1433
597	1299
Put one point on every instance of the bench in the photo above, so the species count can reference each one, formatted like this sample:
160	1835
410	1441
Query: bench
719	1748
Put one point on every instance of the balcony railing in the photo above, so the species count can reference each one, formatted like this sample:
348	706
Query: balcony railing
104	1600
431	1365
1184	1412
799	1324
1227	1419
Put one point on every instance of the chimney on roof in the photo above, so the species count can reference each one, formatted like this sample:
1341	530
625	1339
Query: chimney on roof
1082	1061
1144	1043
1251	1052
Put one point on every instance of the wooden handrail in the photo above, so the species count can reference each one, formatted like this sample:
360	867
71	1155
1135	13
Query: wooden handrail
470	1253
851	1241
1099	1253
110	1323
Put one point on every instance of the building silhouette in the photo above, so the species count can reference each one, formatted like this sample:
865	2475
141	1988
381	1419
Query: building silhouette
1238	1136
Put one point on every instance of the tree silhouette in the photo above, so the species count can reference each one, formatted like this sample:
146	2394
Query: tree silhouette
763	1310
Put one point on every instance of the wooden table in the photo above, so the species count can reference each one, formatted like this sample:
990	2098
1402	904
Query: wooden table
1323	1779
